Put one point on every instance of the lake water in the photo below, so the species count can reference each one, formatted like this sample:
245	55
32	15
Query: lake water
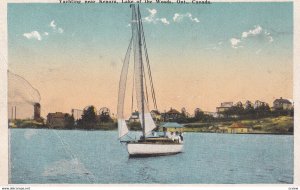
63	156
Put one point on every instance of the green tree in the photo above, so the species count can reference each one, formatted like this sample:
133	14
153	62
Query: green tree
199	114
249	111
70	121
105	117
89	118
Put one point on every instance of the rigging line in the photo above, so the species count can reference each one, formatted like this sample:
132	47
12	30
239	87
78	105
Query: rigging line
129	137
149	69
141	72
74	157
133	20
147	99
133	81
65	146
133	78
150	77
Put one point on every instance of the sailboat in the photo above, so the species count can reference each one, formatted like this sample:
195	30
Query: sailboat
146	145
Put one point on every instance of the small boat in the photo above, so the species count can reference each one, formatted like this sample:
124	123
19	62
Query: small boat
146	145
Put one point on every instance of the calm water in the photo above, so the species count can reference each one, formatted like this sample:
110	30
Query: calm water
61	156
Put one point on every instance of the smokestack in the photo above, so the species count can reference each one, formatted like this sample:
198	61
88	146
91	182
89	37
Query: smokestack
37	111
15	112
12	113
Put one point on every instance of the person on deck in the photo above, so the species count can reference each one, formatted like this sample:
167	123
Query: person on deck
165	132
181	137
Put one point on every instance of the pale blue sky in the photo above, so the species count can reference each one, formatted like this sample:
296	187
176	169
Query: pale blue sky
103	26
248	43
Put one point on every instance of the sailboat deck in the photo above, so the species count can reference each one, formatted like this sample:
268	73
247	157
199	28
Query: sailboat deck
155	140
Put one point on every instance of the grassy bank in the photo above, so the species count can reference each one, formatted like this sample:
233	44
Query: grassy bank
272	125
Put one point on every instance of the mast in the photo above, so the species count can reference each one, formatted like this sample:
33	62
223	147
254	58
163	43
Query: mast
140	81
142	72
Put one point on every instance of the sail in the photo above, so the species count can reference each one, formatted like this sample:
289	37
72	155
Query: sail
122	126
149	124
135	43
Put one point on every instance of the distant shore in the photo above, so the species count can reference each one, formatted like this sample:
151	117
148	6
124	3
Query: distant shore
282	125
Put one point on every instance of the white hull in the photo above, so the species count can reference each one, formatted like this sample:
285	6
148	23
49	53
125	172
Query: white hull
142	149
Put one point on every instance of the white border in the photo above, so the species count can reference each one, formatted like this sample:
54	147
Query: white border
3	112
3	96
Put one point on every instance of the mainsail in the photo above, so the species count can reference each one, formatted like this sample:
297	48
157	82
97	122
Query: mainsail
137	42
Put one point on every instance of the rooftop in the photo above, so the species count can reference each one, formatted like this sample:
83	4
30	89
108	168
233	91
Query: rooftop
155	112
172	125
238	125
173	111
281	100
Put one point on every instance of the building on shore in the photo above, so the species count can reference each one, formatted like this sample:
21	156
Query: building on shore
134	117
225	106
282	104
258	104
37	113
59	120
171	115
213	114
222	129
155	114
171	127
239	128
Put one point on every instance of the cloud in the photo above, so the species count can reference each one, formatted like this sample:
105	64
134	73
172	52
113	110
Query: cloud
235	42
215	47
37	36
164	20
271	39
33	35
54	27
152	11
256	31
179	17
52	24
152	18
60	30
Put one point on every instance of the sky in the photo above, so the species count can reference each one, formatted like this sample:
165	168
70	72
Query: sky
200	55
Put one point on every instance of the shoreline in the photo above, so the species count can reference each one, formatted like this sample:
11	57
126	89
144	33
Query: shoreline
282	125
78	129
